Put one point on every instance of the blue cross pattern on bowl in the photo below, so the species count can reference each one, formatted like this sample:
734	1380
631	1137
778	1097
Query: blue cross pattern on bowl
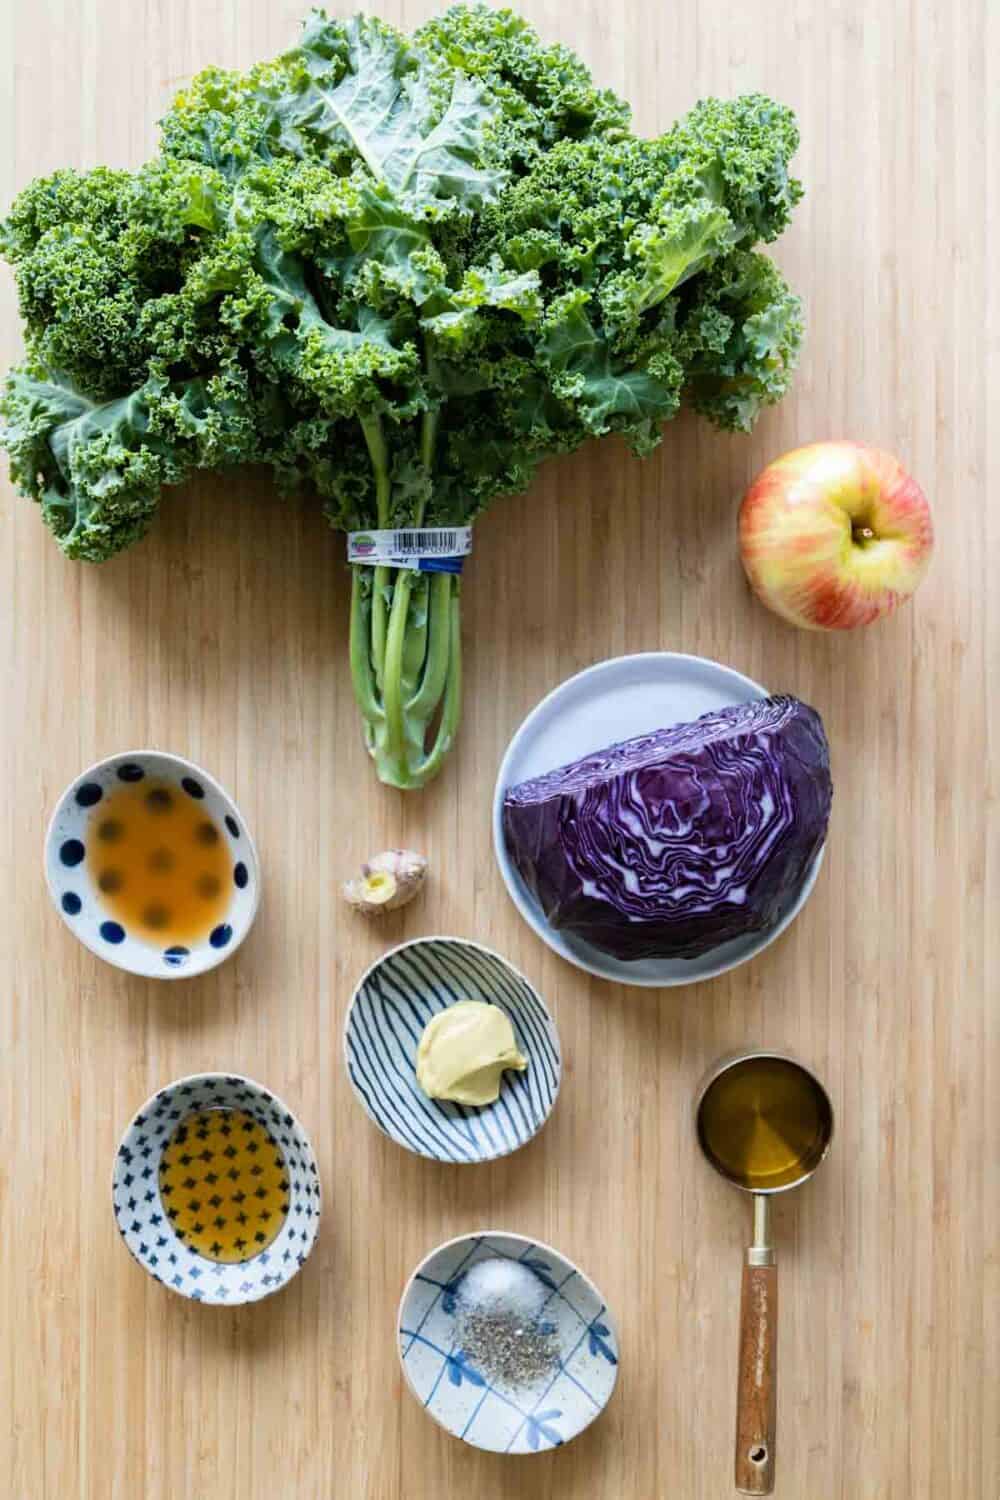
460	1398
145	1225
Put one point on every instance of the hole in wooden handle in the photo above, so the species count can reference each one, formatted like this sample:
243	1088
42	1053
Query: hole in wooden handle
758	1456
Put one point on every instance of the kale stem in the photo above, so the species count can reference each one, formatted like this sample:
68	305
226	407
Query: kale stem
361	666
427	697
383	639
379	453
428	437
392	688
452	709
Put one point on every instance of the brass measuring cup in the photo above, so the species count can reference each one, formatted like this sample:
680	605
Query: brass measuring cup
733	1104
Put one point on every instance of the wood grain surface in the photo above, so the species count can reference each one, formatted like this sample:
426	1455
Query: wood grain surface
224	637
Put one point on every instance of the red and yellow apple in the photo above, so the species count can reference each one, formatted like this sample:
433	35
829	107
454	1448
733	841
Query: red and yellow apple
835	535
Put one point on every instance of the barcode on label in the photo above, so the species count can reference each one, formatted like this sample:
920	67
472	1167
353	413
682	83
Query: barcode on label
424	543
423	549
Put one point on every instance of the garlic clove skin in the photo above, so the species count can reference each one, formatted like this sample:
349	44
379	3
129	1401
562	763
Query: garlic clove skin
388	881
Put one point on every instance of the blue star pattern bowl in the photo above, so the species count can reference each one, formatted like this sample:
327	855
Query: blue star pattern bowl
80	903
391	1006
145	1223
457	1395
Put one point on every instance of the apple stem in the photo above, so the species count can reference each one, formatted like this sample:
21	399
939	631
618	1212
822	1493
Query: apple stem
863	534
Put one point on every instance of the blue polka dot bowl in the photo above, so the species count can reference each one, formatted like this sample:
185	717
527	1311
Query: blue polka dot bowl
151	1206
81	904
391	1007
452	1303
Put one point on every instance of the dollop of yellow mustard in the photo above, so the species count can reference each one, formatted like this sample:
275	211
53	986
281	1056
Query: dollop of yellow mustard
463	1052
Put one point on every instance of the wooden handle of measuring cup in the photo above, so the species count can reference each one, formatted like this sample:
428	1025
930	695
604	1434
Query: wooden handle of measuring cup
757	1388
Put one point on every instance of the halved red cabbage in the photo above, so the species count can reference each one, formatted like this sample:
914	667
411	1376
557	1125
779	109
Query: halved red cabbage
669	844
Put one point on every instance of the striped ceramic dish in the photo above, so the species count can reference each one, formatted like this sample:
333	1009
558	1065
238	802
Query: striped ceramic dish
391	1006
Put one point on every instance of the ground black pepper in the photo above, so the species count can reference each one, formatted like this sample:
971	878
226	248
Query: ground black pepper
501	1326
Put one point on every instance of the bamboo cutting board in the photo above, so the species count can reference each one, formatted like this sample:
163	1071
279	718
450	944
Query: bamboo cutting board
223	637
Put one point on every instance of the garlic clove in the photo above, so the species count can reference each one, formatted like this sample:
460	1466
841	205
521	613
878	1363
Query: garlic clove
388	881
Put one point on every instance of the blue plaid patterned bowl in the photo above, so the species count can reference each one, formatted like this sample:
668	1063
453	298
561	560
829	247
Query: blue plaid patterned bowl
446	1381
147	1219
391	1006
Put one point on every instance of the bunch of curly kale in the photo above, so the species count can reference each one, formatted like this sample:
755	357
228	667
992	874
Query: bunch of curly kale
402	272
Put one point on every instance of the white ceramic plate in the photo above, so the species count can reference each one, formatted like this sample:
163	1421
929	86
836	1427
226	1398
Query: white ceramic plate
600	706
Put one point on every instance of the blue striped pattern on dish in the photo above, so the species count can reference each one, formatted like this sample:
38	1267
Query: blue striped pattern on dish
391	1007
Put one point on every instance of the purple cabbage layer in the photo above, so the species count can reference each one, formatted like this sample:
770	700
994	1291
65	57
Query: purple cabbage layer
667	845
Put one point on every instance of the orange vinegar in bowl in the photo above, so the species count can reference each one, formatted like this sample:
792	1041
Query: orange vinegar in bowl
223	1184
160	863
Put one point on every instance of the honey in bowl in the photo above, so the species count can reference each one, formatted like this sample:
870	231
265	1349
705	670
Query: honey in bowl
223	1185
764	1123
160	863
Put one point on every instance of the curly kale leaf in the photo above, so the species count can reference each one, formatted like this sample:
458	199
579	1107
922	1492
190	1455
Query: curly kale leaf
387	254
473	325
97	467
739	341
352	91
368	91
542	94
736	153
608	394
91	252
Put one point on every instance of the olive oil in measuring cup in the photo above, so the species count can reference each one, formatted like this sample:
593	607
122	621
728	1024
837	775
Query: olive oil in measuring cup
764	1123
